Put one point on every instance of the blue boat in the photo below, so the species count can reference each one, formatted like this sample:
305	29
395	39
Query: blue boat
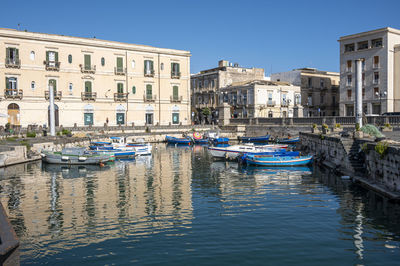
288	140
219	141
118	154
201	141
268	160
179	141
260	139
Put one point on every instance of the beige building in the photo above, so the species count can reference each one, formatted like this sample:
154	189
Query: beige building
95	81
380	55
262	98
319	90
206	85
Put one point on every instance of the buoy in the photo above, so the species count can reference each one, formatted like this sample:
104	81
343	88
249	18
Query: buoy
101	164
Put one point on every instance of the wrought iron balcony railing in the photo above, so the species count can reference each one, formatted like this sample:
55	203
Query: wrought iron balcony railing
88	96
88	69
270	103
149	98
13	94
52	65
57	95
13	62
149	73
175	75
120	97
119	70
176	99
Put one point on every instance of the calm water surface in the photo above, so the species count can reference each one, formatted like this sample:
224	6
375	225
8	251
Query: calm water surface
180	207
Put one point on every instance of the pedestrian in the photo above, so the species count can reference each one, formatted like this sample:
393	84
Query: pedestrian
107	121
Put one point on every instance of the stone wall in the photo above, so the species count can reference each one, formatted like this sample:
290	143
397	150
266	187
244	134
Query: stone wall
12	155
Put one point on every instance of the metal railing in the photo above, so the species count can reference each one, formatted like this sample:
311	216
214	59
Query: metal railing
88	69
52	65
57	95
88	96
175	75
270	103
13	62
119	70
120	97
149	98
176	99
13	94
149	73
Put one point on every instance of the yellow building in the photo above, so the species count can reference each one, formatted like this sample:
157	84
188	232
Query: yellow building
95	81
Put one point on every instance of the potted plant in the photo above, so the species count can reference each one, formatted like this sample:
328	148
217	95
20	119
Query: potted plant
337	128
358	133
387	127
314	128
325	128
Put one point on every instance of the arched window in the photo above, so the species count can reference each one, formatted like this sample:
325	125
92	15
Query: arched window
32	56
133	90
70	87
88	86
13	106
70	59
133	63
33	85
162	66
103	61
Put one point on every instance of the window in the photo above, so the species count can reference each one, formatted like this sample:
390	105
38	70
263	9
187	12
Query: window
376	78
200	85
309	100
120	88
362	45
133	63
12	56
309	82
87	62
363	92
32	56
349	79
51	56
270	96
376	61
148	68
334	100
88	119
120	64
11	86
206	84
133	90
70	59
212	83
363	64
376	43
376	92
88	87
70	87
175	118
349	65
175	92
162	66
103	61
120	118
322	83
175	72
33	85
349	94
349	47
363	79
149	92
321	100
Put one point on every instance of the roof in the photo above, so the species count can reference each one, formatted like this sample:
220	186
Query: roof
365	33
259	82
13	33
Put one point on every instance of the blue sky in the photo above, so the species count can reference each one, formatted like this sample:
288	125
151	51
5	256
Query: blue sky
275	35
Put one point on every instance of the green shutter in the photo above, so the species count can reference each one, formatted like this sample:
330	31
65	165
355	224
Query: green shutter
145	67
172	68
88	86
56	56
47	56
16	54
119	62
151	67
87	61
177	69
120	88
175	92
7	83
7	52
133	90
149	92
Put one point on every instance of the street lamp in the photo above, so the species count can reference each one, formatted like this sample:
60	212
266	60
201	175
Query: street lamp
380	95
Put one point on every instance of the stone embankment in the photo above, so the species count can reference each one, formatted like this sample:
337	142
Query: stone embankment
358	158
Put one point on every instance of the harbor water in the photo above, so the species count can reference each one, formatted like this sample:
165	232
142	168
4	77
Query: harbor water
181	207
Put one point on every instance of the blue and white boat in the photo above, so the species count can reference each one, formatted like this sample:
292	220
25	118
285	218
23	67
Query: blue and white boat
118	144
178	141
118	154
288	140
271	160
232	152
260	139
220	141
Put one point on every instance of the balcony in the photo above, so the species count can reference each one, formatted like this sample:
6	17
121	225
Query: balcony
270	103
375	81
13	94
149	73
52	65
175	75
120	97
13	62
88	96
149	98
176	99
88	69
285	104
57	95
375	66
119	71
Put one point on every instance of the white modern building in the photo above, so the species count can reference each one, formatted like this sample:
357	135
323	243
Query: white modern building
380	55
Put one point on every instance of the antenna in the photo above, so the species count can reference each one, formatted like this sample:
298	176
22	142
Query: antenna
19	24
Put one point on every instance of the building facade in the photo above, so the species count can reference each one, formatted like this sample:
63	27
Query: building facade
380	60
319	90
94	81
262	98
206	85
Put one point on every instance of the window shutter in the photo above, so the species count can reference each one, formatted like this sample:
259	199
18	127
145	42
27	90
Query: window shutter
151	66
56	56
145	66
88	86
172	68
16	53
7	83
133	90
177	69
175	92
120	88
8	52
119	62
87	61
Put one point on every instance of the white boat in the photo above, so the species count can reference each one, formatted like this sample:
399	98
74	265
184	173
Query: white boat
232	152
119	143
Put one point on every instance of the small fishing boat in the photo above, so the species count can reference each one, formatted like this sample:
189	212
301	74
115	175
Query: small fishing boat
179	141
232	152
75	156
201	141
260	139
220	141
117	153
288	140
271	160
119	144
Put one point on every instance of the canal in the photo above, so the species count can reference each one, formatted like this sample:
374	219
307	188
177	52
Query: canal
179	207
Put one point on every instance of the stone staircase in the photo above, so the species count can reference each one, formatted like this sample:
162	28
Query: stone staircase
352	147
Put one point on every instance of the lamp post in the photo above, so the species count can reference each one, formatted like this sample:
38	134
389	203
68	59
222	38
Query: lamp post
380	95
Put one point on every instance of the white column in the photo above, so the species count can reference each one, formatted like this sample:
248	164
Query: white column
52	115
358	99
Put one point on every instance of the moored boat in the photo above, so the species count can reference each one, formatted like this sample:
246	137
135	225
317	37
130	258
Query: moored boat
271	160
75	156
288	140
118	154
232	152
260	139
179	141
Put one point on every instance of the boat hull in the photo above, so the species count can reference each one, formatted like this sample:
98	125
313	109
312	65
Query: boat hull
58	158
278	161
261	139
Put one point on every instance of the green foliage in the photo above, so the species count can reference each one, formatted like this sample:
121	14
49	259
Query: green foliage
58	133
322	137
337	125
325	126
387	125
26	144
31	134
193	130
11	139
357	127
364	147
314	126
206	111
381	148
66	132
372	130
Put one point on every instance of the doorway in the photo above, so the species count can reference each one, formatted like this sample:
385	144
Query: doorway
13	114
149	119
